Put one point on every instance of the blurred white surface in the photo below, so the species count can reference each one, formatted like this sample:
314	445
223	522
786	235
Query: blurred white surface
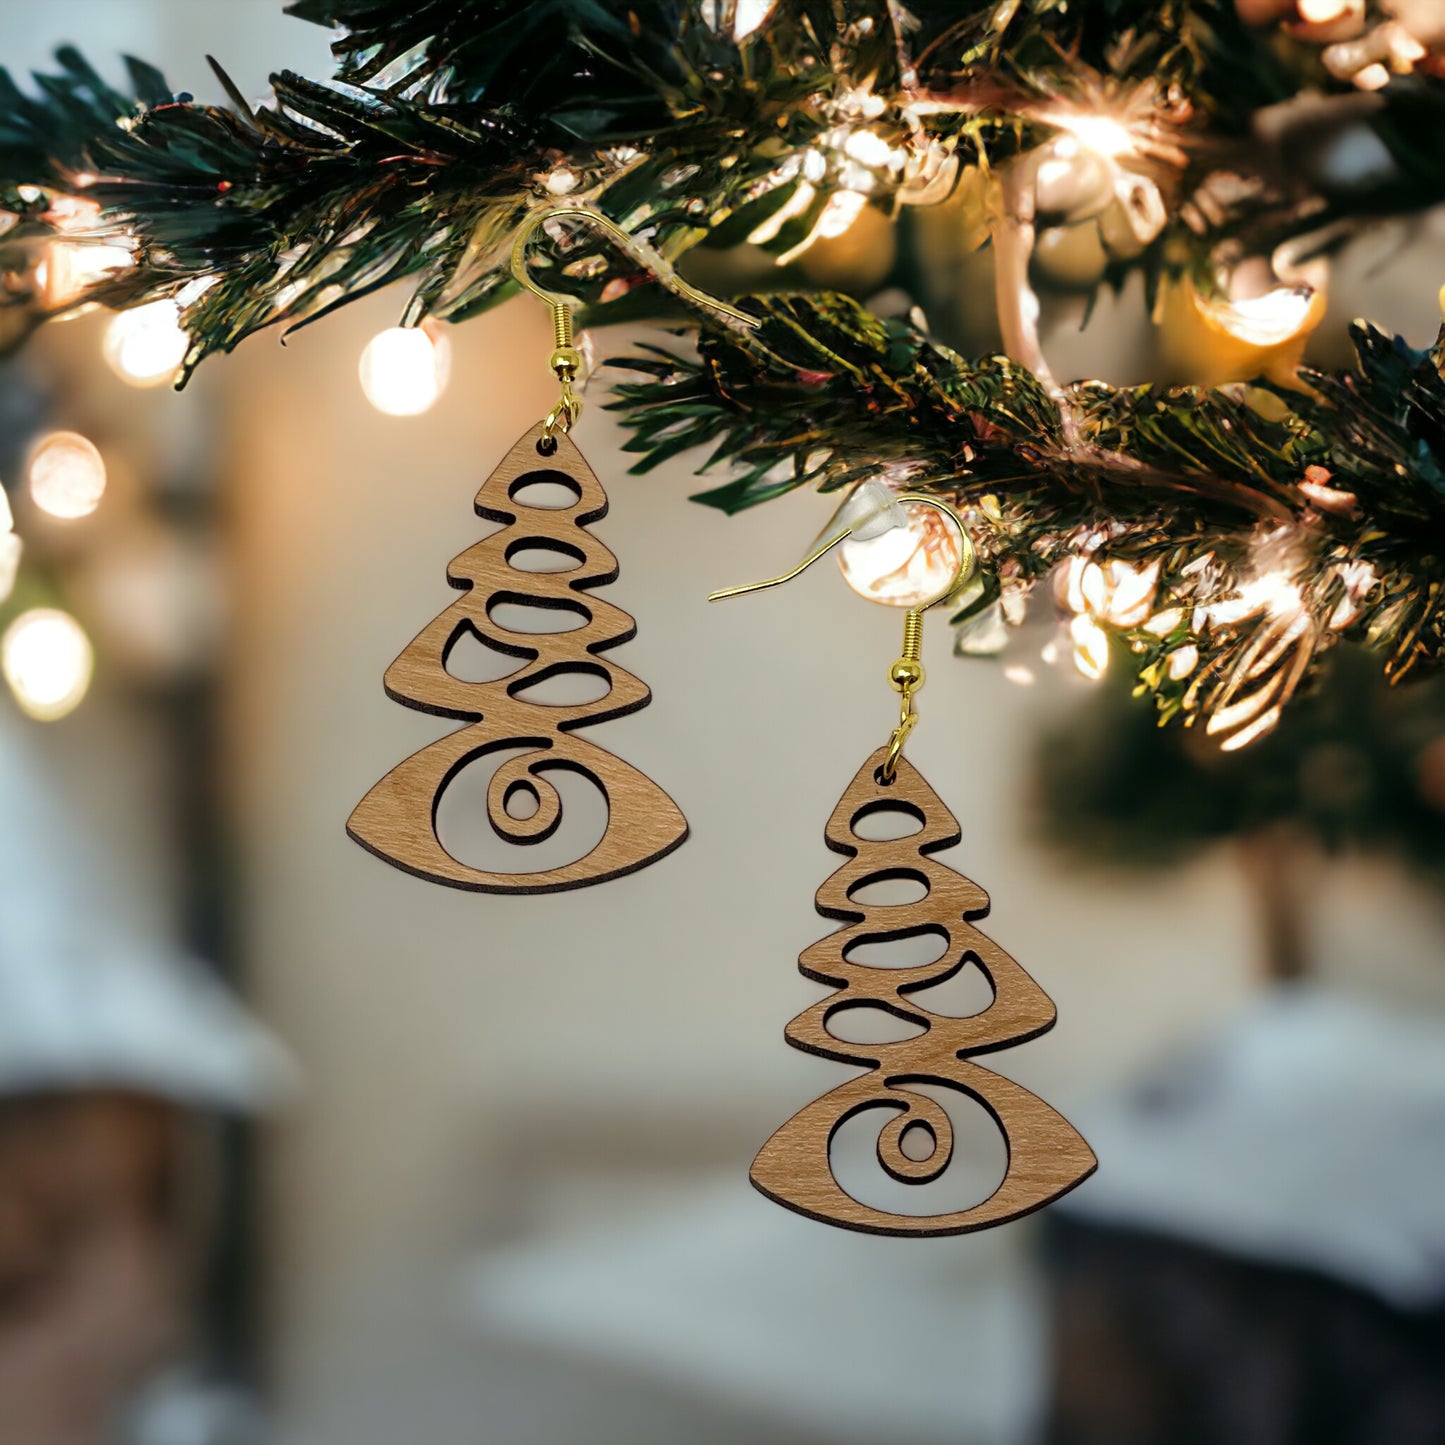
88	999
842	1337
1308	1132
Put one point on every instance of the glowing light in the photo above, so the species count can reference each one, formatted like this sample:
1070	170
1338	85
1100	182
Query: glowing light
1116	591
869	148
146	345
47	660
71	268
1325	12
66	475
750	15
10	550
562	181
1372	77
1017	673
903	566
1091	648
7	517
1266	320
1101	134
1183	661
1093	588
794	206
1405	50
841	210
1246	735
744	16
405	369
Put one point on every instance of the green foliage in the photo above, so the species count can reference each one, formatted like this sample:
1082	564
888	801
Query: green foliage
448	119
1354	764
1338	494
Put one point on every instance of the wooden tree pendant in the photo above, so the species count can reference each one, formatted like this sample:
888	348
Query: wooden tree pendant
397	820
1046	1155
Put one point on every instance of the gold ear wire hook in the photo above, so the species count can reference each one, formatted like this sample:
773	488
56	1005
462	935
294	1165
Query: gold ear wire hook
565	360
906	675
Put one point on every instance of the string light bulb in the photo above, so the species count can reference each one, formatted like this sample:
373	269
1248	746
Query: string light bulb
1091	647
47	660
404	370
66	475
146	345
70	268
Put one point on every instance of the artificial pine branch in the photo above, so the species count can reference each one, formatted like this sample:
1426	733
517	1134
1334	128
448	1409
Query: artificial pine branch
447	121
1269	523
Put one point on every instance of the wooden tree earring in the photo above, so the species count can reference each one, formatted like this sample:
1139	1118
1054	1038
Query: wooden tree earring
397	819
1046	1156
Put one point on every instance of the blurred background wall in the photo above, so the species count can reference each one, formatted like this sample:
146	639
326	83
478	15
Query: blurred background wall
510	1203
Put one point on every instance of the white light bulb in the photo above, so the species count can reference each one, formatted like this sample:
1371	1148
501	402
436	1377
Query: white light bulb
749	15
1324	12
404	370
144	346
904	566
1268	320
67	475
1101	134
47	660
71	268
1091	647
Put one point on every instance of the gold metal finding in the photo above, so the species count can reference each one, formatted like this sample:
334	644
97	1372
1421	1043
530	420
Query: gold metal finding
906	675
646	256
566	360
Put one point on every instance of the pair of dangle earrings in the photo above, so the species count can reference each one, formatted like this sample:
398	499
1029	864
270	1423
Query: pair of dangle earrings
545	496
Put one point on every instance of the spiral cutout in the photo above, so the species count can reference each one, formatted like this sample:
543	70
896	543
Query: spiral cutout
521	776
1046	1155
397	819
922	1115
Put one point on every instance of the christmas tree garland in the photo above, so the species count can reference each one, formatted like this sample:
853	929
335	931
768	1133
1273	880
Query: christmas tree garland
1231	534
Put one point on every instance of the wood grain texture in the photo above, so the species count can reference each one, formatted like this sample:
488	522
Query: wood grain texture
1046	1155
397	818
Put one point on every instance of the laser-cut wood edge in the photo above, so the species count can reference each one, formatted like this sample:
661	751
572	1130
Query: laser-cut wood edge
396	820
1047	1157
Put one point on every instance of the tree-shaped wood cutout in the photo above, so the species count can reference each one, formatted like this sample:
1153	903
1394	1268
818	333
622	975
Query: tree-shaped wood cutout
397	818
1046	1155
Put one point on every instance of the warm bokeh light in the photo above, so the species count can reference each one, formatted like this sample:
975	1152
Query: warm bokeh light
66	475
71	268
404	369
10	550
904	566
1091	647
1266	320
1101	134
145	346
1372	77
47	660
749	15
